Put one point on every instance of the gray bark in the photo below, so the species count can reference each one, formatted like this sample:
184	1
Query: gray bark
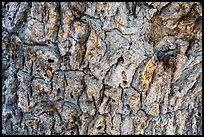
102	68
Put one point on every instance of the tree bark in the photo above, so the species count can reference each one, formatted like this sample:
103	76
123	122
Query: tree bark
115	68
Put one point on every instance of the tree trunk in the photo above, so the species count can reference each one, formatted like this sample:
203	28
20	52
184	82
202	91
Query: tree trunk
102	68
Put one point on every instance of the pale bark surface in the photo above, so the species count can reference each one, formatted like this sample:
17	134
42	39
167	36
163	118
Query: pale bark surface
102	68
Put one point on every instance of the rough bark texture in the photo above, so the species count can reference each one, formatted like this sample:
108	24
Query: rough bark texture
102	68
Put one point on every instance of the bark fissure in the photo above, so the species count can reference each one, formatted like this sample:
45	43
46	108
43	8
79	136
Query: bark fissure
101	68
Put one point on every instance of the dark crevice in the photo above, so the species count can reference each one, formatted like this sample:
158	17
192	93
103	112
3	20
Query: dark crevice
191	44
120	61
106	91
50	60
60	21
163	8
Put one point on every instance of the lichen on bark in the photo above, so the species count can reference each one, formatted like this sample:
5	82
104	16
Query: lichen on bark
105	68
